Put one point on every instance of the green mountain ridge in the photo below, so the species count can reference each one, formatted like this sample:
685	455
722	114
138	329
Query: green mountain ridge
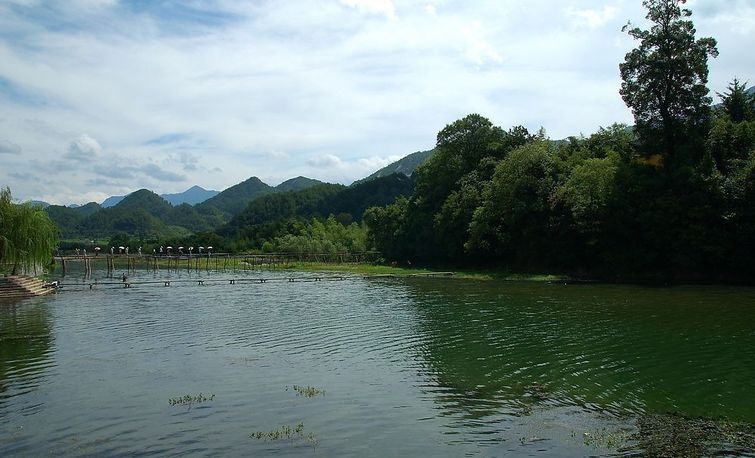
277	214
297	184
406	165
145	214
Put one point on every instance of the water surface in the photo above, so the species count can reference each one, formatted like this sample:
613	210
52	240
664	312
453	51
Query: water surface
410	367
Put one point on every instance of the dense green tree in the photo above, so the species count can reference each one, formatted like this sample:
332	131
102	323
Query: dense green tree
27	235
513	220
665	77
737	103
320	237
449	185
732	135
588	191
730	143
385	229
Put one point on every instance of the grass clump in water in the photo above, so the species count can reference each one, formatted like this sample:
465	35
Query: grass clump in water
307	391
190	399
286	432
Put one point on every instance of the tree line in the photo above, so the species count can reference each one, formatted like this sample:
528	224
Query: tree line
671	197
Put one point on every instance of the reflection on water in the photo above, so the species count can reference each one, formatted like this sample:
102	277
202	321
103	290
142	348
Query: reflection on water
25	347
613	348
413	367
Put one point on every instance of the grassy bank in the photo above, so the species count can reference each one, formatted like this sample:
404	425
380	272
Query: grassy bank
124	264
469	274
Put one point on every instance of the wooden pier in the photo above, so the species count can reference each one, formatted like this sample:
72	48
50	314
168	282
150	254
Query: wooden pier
125	283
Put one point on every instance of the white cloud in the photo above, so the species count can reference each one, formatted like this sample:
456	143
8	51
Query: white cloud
84	148
479	50
592	18
326	161
374	163
249	88
384	7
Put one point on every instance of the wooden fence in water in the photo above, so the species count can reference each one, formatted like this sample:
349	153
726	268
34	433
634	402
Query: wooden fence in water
212	261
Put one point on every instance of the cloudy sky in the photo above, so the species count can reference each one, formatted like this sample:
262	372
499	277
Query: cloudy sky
104	97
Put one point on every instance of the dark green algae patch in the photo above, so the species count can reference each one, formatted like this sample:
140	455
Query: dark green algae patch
672	435
675	436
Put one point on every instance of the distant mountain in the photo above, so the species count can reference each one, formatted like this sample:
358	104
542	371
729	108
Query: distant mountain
234	199
86	209
268	215
111	201
405	165
751	90
192	196
39	203
146	200
297	184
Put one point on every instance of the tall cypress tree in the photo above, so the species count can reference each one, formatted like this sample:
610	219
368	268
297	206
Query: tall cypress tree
665	77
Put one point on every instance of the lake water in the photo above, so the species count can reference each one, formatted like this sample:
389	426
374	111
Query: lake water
409	367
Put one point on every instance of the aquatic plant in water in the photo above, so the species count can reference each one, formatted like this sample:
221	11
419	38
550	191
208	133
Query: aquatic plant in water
307	391
286	432
190	399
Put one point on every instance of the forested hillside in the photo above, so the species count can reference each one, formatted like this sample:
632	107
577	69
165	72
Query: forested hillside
671	198
145	219
276	215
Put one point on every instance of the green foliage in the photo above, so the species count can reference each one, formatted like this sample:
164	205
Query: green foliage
386	225
321	237
588	191
513	220
664	78
27	235
730	143
449	185
737	104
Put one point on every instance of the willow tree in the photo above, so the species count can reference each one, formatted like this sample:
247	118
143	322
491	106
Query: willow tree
27	235
665	77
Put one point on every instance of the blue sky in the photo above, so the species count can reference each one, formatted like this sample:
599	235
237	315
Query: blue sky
104	97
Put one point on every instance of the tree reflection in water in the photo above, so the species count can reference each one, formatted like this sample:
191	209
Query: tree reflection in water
26	344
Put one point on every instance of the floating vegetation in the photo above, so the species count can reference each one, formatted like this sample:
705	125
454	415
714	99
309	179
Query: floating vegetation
190	399
307	391
286	432
676	435
605	438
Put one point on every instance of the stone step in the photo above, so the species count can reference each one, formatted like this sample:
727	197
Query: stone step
19	286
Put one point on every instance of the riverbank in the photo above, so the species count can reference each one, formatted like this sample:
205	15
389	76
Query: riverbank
401	271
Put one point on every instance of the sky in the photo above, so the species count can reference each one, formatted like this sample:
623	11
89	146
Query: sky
105	97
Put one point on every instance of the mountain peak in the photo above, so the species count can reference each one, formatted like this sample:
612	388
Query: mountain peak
192	196
297	184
